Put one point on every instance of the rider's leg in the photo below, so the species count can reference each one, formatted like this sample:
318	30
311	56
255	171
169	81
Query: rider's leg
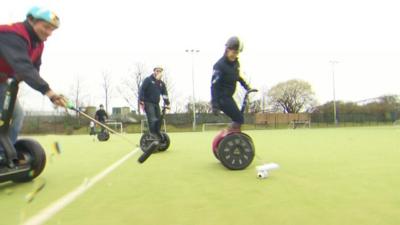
229	107
152	118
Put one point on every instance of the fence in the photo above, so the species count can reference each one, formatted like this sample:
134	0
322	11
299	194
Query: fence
277	119
61	122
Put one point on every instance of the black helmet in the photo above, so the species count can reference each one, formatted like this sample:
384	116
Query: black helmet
234	43
101	105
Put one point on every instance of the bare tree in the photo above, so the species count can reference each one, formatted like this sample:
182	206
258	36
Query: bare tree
264	97
107	87
129	88
291	96
171	89
77	94
201	107
179	106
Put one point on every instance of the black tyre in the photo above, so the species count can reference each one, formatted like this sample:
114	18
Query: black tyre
215	154
236	151
103	136
30	152
164	145
145	141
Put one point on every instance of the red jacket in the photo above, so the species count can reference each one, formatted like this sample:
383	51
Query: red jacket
34	52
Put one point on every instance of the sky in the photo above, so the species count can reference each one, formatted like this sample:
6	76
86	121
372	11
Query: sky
283	40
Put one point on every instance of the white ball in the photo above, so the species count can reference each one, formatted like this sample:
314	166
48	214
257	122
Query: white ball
262	174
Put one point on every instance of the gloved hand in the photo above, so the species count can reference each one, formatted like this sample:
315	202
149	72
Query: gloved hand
56	99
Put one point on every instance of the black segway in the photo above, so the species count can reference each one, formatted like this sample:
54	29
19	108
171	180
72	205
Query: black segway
150	144
24	160
234	149
147	138
103	135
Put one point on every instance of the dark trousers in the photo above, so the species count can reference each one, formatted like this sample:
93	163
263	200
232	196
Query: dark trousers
229	107
153	114
101	127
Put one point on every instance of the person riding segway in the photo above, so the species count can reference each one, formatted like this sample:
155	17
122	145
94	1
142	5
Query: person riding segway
147	138
102	116
149	96
21	47
233	148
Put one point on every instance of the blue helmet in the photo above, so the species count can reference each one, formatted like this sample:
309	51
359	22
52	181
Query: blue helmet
44	14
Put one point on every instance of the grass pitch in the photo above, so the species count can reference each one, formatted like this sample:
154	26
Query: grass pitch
327	176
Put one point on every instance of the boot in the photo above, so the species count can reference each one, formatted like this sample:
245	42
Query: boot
234	127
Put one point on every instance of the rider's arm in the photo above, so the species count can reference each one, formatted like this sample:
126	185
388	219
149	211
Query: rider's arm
243	83
215	83
164	94
142	89
14	50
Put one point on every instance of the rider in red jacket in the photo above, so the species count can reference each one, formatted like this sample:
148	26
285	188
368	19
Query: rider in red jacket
21	47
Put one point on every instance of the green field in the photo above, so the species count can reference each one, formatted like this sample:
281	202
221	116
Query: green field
327	176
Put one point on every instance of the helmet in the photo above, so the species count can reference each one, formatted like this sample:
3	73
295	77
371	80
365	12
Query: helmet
101	105
44	14
158	67
234	43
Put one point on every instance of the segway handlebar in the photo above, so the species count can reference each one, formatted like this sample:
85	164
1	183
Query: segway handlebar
246	99
165	108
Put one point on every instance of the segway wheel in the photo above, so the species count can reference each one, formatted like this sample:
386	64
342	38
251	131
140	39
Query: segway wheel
215	154
145	141
164	145
236	151
30	152
103	136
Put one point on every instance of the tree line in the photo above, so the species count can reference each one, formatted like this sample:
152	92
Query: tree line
292	96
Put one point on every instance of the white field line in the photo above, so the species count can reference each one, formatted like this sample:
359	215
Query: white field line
61	203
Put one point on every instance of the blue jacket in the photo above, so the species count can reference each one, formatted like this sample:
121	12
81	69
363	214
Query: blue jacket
224	78
151	90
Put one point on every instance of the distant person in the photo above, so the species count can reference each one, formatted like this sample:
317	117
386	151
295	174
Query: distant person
149	96
21	47
92	127
223	85
101	116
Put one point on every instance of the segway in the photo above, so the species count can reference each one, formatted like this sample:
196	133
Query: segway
24	160
147	138
103	135
234	149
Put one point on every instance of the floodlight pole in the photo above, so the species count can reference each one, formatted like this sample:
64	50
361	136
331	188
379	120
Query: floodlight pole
334	91
192	52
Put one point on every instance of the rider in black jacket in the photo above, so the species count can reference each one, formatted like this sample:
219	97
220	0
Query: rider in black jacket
223	85
149	95
101	115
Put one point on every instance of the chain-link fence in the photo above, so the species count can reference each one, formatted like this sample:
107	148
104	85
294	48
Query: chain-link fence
66	123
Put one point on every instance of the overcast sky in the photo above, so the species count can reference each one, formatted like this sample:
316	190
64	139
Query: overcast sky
284	39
